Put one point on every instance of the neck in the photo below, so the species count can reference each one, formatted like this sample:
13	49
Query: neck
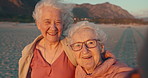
90	70
51	45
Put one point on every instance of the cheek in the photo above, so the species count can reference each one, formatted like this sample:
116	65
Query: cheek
96	55
60	28
77	56
43	29
96	58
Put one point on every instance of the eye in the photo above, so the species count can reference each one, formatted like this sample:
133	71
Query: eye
91	42
58	22
47	22
77	45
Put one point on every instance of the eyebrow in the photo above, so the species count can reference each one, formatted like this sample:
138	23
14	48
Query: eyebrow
55	20
59	21
47	20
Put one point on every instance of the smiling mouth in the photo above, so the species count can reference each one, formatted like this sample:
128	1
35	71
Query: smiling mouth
53	34
87	57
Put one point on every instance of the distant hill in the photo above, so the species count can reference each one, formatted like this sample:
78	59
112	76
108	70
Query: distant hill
16	7
105	10
23	9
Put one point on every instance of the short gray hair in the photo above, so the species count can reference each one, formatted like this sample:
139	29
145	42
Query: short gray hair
66	11
85	24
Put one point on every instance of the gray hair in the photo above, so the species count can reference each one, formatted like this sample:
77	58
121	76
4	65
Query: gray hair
85	24
67	16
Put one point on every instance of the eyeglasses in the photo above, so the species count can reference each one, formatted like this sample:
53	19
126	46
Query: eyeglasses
91	43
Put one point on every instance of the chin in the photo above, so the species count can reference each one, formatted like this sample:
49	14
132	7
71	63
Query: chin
88	66
54	40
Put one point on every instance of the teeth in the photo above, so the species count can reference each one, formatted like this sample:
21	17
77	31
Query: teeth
52	33
87	57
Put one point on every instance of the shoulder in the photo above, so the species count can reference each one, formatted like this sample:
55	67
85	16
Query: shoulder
112	69
122	67
68	51
29	48
26	49
120	70
64	41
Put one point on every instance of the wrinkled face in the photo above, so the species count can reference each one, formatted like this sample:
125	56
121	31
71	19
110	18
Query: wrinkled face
50	23
86	57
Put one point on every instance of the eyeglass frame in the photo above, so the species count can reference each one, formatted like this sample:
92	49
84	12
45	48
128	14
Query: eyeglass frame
85	44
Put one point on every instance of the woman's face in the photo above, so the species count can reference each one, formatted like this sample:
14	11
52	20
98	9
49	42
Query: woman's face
50	23
86	57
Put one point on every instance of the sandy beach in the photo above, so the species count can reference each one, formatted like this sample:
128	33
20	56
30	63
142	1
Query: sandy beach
125	41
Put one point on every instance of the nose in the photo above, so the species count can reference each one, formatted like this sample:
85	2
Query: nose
85	49
53	26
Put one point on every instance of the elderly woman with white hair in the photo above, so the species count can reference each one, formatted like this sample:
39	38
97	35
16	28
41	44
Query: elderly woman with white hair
46	56
87	43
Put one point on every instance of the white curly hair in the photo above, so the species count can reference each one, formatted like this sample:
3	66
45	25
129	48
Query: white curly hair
66	11
83	25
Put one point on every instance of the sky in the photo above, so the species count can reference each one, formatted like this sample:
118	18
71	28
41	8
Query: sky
138	8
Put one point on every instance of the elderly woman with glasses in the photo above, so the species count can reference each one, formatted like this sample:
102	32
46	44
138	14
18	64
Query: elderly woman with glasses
86	41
